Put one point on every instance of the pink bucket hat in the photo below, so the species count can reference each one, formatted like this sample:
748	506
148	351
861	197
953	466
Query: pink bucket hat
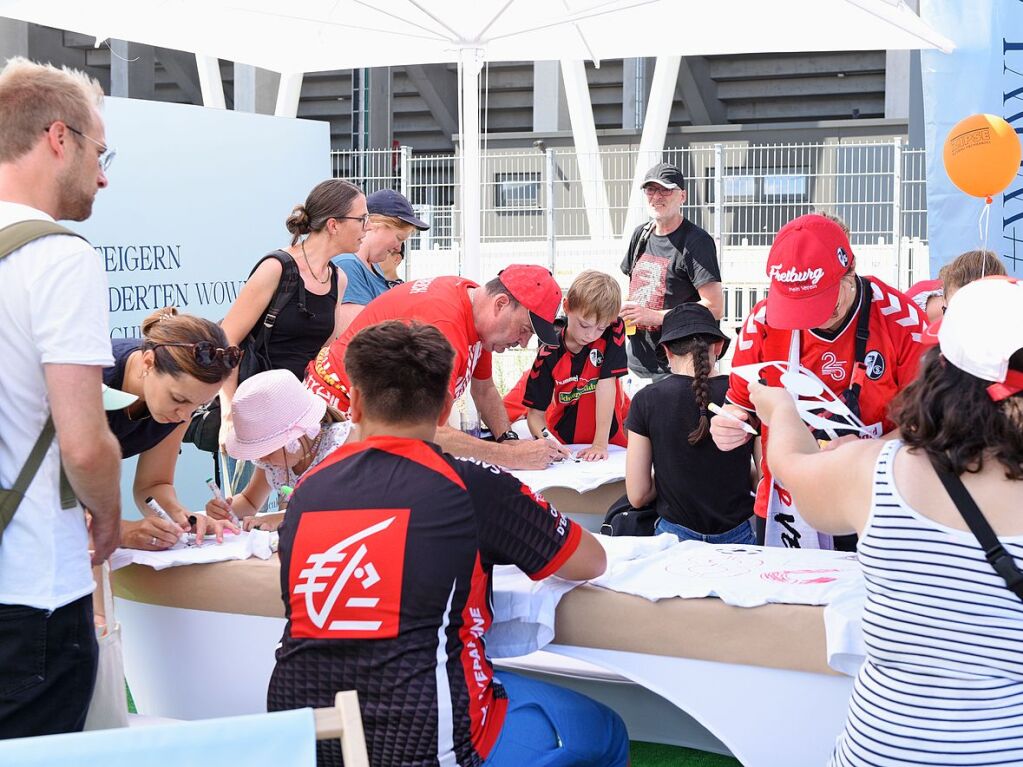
272	410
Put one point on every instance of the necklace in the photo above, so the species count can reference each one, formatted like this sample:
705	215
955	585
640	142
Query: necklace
326	279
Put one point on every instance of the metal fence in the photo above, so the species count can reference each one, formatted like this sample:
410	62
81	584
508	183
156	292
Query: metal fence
535	202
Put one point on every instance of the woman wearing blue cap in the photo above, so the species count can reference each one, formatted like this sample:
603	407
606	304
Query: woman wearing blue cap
391	222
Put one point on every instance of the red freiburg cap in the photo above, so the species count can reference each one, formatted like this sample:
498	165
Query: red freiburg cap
535	288
809	256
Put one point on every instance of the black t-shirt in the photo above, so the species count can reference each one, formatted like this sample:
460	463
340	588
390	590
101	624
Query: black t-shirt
386	550
135	436
301	331
669	272
699	487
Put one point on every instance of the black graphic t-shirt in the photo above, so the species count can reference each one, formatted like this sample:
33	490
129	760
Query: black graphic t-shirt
670	272
387	549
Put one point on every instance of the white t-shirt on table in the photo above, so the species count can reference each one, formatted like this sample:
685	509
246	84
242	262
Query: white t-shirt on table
53	310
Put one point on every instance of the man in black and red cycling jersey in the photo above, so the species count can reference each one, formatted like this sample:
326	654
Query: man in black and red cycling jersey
387	549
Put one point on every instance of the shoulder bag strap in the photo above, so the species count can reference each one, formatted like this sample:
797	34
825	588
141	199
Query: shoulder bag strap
644	238
995	553
290	282
859	374
11	499
21	233
13	237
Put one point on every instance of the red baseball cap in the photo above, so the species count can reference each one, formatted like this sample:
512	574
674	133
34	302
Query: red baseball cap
808	259
536	289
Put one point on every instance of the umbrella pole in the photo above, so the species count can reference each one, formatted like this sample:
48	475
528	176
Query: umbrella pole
470	63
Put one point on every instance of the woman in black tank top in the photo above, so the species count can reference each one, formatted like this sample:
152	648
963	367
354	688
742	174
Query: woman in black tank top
333	220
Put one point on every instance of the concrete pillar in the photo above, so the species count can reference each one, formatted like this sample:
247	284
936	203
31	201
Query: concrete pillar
255	89
584	136
288	95
371	108
211	85
635	90
550	104
132	70
13	39
896	85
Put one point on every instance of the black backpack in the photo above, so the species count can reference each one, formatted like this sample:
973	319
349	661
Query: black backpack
623	519
204	429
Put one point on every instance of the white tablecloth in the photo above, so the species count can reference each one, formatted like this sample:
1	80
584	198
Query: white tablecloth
659	567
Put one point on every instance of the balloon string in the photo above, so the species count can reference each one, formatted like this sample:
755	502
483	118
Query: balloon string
983	225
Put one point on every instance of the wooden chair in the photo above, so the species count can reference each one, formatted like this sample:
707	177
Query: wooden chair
344	721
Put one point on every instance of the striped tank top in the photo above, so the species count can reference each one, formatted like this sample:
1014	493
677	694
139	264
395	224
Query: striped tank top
943	679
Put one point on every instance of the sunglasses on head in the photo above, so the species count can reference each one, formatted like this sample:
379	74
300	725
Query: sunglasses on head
206	354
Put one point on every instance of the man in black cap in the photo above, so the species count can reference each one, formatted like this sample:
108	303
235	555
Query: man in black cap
670	261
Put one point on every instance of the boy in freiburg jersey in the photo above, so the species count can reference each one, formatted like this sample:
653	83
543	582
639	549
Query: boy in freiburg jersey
573	391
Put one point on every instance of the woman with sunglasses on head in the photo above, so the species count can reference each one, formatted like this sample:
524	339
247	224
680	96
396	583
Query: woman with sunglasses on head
179	364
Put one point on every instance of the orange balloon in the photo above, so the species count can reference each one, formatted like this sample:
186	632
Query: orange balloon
982	155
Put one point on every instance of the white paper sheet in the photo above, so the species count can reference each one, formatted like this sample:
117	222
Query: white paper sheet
580	476
744	576
257	543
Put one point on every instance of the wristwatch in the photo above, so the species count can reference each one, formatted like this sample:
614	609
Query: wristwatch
506	436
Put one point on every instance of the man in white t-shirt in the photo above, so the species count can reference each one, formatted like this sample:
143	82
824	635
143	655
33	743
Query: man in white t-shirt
54	344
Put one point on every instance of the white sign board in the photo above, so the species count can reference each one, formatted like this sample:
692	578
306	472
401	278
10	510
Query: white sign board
196	196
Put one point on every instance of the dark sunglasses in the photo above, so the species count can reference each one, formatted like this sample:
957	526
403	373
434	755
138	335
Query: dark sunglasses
206	354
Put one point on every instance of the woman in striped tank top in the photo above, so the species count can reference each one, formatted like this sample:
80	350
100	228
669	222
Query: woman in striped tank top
943	679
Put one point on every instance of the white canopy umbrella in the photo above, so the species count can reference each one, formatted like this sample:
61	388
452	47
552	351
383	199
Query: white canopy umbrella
315	35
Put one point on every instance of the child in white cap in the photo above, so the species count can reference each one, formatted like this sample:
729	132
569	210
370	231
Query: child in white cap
285	430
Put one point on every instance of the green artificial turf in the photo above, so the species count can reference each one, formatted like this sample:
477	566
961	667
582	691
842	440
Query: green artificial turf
658	755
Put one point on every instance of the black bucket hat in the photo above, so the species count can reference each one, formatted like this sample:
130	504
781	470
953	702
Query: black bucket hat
692	320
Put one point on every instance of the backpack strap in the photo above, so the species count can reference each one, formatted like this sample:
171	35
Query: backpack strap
859	374
21	233
289	284
12	238
994	552
11	498
644	238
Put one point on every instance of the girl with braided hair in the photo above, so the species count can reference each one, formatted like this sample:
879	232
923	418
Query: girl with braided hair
699	492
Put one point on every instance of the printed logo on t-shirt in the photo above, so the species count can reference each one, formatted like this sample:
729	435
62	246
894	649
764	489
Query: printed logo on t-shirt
352	588
475	351
875	364
574	395
596	358
420	286
649	282
832	366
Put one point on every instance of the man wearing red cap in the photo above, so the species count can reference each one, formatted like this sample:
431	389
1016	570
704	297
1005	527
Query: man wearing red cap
857	334
477	321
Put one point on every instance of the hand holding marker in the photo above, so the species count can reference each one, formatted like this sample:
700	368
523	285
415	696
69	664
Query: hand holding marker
219	495
718	410
157	509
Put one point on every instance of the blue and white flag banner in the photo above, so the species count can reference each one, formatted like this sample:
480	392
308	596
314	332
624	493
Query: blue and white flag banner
983	74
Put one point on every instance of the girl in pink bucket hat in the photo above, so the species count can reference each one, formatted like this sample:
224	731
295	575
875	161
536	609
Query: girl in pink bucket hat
282	428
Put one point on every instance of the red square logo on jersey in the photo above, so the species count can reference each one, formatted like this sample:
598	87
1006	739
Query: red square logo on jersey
345	575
